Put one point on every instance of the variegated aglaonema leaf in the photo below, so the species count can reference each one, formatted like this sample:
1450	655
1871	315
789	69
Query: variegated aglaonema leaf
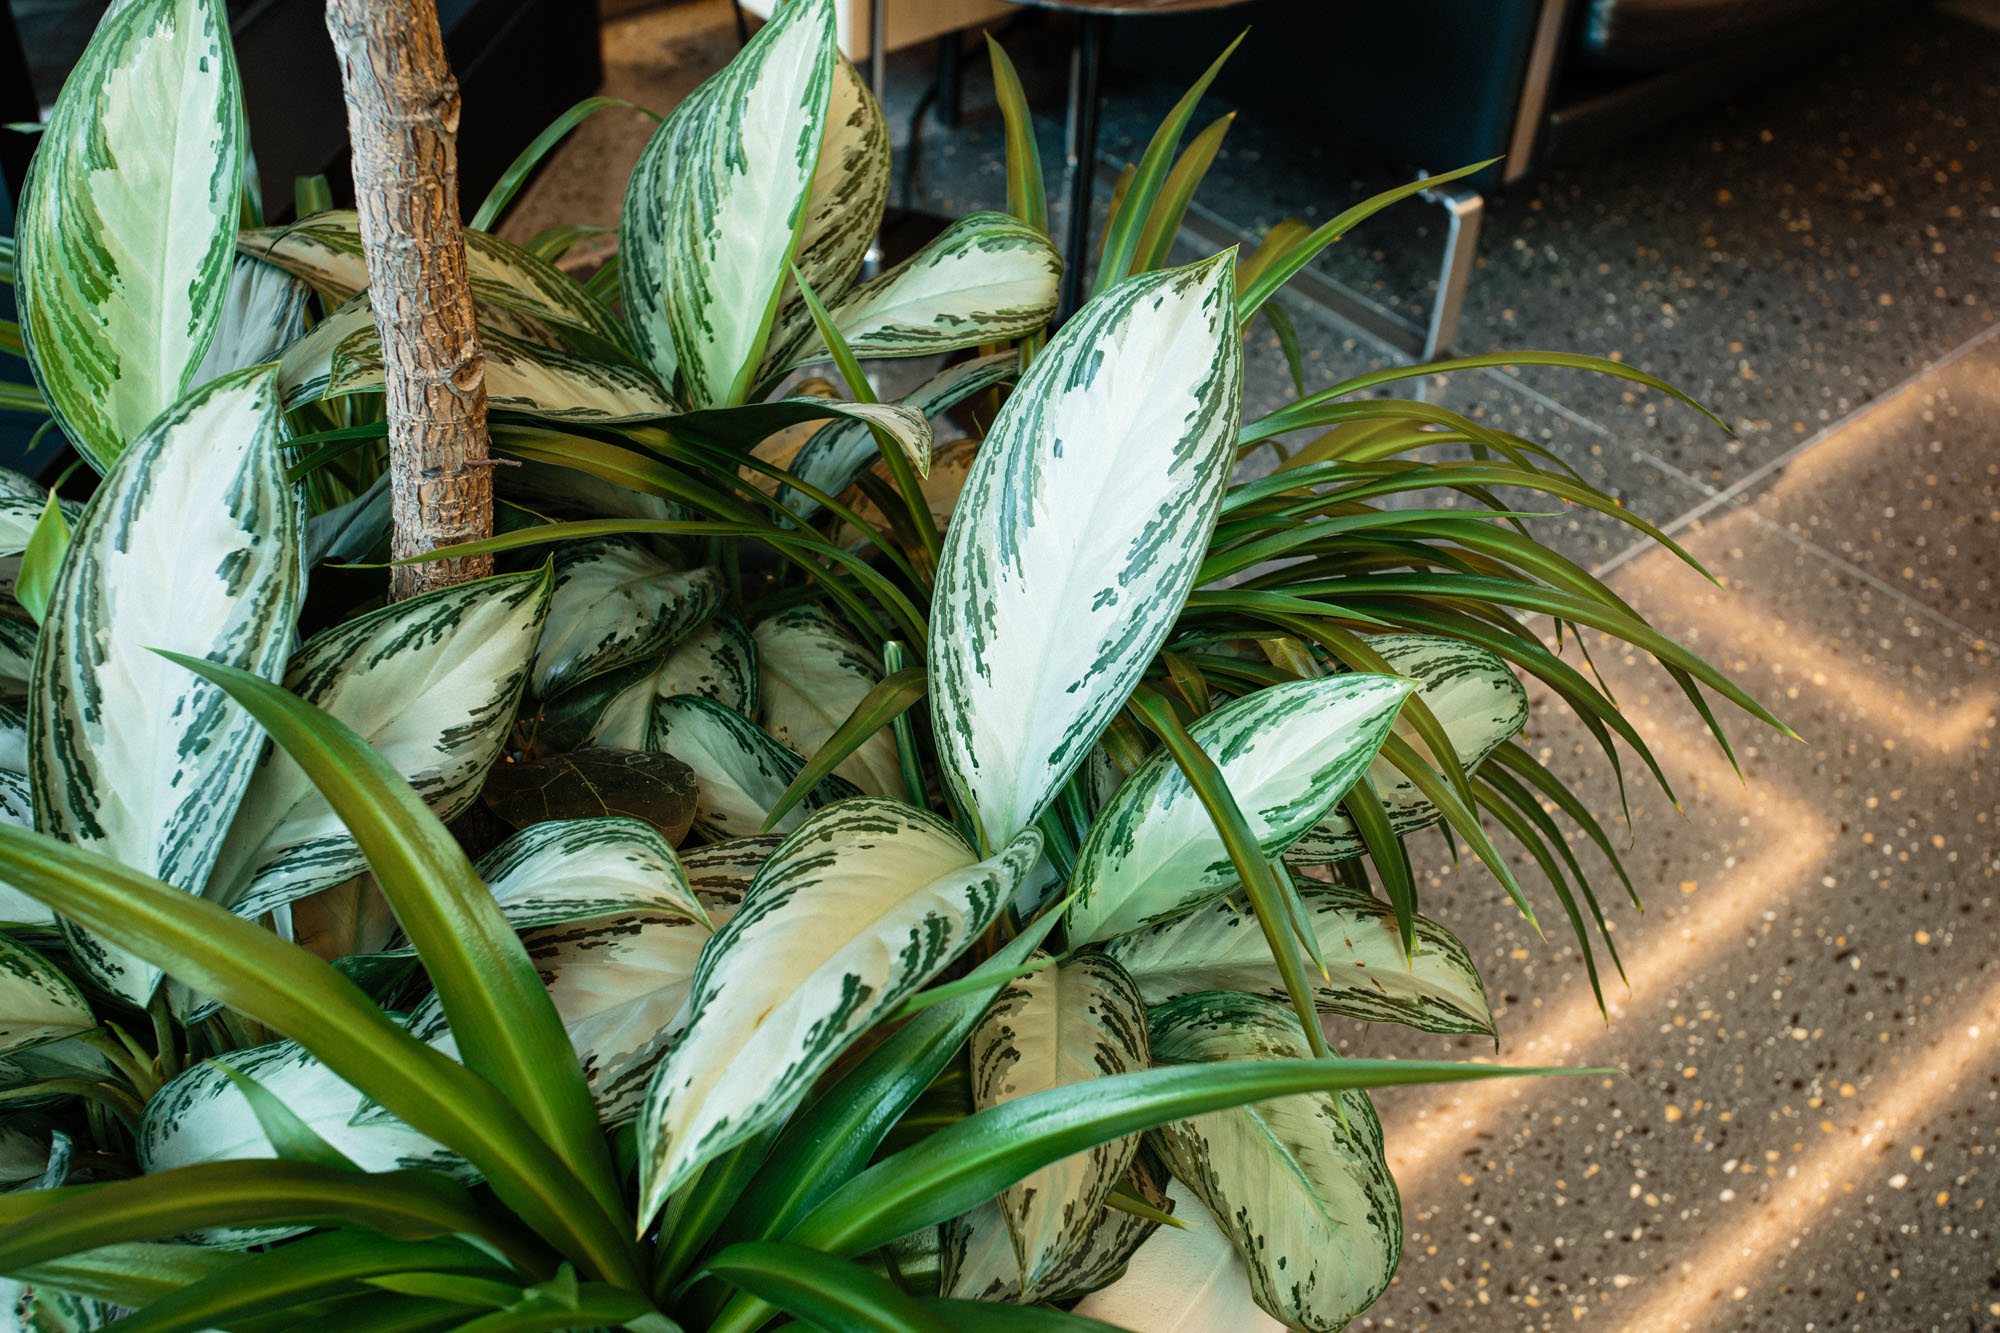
432	683
574	869
1307	1199
1079	1020
718	661
976	1249
190	545
1288	753
38	1002
986	278
812	673
863	904
521	377
717	203
1476	698
836	455
1078	535
740	770
125	229
263	313
202	1116
1182	1280
850	186
616	602
1220	947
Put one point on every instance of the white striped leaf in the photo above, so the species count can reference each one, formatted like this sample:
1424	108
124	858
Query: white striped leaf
1079	1020
1307	1200
431	683
191	545
1182	1281
1288	753
263	313
574	869
836	455
1078	535
812	673
1476	698
722	872
18	516
37	1307
19	486
305	367
865	902
124	238
520	377
753	424
986	278
620	985
977	1260
13	738
17	654
1221	947
324	249
718	661
202	1116
615	603
740	771
17	810
850	186
716	205
38	1002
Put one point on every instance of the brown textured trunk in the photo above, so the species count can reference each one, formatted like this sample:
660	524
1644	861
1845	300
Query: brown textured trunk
402	116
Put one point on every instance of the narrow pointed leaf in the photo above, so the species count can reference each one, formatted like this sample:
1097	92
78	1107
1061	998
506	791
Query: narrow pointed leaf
1078	533
823	1290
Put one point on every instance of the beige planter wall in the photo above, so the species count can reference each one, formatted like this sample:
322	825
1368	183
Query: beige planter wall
910	21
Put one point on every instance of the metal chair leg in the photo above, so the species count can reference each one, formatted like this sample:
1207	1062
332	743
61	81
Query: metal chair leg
1464	208
1086	65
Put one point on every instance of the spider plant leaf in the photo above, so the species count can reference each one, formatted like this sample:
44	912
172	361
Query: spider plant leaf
616	602
507	1028
404	1204
1071	1023
125	229
718	661
1065	566
1027	198
131	1274
263	313
431	683
1218	947
1129	215
1288	754
825	1291
1188	1280
717	205
885	703
1303	1191
1163	223
812	675
986	278
865	903
1284	265
38	1001
299	1275
517	172
969	1161
1472	693
191	543
574	869
741	772
514	291
850	188
838	453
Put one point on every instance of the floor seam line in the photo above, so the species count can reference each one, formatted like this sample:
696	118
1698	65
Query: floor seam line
1874	581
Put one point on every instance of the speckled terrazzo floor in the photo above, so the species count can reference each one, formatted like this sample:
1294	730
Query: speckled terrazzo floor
1805	1132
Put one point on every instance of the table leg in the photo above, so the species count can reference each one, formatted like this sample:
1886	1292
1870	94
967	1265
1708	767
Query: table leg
1086	63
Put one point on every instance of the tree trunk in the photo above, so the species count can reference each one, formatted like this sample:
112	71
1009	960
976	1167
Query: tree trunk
402	118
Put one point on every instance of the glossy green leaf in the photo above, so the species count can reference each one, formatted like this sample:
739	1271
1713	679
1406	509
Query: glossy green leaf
823	1290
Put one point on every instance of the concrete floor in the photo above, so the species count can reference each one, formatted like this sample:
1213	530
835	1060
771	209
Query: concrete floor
1805	1130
